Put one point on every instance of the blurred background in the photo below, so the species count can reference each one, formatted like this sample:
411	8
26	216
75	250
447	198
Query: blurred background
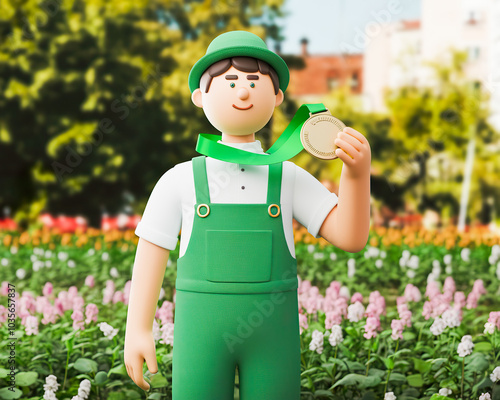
95	106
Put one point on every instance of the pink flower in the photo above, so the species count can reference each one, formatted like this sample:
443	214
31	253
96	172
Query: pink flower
472	299
479	287
449	285
341	306
108	291
31	325
77	317
427	311
432	289
304	287
167	331
126	292
118	297
332	318
406	317
49	314
41	303
166	312
494	318
4	289
91	312
397	327
90	281
65	302
3	314
412	293
303	324
372	324
47	289
459	300
333	290
72	291
357	297
78	303
401	300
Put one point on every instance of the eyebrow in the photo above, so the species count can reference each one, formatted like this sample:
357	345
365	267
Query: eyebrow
231	77
253	77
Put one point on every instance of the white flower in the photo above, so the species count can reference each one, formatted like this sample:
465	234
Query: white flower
465	346
318	256
310	248
438	327
71	264
156	330
336	336
495	375
432	277
410	273
33	258
402	262
355	312
49	395
91	252
5	262
383	254
390	396
114	272
51	384
13	250
448	269
492	259
413	262
498	271
351	267
105	256
20	273
38	251
495	249
465	254
84	389
48	254
108	330
489	327
162	294
316	342
344	292
444	392
379	263
48	264
436	265
62	256
333	256
485	396
447	259
406	256
169	263
37	265
451	318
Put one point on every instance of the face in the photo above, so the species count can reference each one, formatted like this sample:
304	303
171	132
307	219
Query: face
238	103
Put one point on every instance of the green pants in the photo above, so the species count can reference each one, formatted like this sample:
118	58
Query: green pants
257	332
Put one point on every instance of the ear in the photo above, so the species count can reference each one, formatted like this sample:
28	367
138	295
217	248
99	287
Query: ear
279	98
196	98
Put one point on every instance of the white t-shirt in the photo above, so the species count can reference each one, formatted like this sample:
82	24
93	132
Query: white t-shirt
171	204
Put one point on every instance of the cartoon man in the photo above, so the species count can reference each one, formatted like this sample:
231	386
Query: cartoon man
236	287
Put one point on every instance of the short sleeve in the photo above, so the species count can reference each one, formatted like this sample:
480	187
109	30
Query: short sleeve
312	202
161	221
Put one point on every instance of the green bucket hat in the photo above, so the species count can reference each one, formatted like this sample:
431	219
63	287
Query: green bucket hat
234	44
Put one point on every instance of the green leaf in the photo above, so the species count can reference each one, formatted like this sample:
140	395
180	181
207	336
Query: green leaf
477	362
483	347
351	331
415	380
389	363
397	378
155	396
100	378
158	381
85	365
436	396
321	394
358	380
7	394
118	370
26	378
421	366
3	373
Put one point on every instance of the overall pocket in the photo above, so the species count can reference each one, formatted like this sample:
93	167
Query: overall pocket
238	255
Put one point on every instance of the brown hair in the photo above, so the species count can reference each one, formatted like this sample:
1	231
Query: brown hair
244	64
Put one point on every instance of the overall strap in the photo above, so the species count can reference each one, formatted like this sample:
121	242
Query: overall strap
274	183
200	180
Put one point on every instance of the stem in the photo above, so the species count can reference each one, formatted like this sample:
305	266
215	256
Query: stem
334	370
368	363
462	391
420	333
390	370
66	370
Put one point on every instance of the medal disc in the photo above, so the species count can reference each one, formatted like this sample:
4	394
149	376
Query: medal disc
318	135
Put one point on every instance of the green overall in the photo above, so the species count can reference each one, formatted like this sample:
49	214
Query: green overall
236	301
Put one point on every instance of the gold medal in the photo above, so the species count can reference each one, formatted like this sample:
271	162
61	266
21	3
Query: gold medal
318	134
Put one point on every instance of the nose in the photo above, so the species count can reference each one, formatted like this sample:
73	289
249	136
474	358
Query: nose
243	94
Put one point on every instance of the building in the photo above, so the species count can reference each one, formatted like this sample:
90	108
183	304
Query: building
401	53
324	73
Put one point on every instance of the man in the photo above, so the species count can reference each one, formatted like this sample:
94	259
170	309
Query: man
236	299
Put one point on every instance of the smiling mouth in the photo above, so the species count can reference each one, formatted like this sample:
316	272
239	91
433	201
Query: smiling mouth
239	108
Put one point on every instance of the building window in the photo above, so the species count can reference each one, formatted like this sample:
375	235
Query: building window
333	83
473	53
354	80
472	17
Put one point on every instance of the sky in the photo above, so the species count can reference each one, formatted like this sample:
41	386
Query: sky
332	25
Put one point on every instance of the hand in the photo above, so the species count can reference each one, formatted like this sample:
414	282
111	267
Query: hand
354	150
140	347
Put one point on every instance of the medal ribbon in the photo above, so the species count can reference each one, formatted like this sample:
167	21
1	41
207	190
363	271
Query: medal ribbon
287	146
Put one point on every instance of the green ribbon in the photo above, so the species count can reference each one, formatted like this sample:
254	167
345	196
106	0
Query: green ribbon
287	146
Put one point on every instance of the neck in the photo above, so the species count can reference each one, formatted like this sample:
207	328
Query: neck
238	139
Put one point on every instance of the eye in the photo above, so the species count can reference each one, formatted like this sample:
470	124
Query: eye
232	84
252	84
